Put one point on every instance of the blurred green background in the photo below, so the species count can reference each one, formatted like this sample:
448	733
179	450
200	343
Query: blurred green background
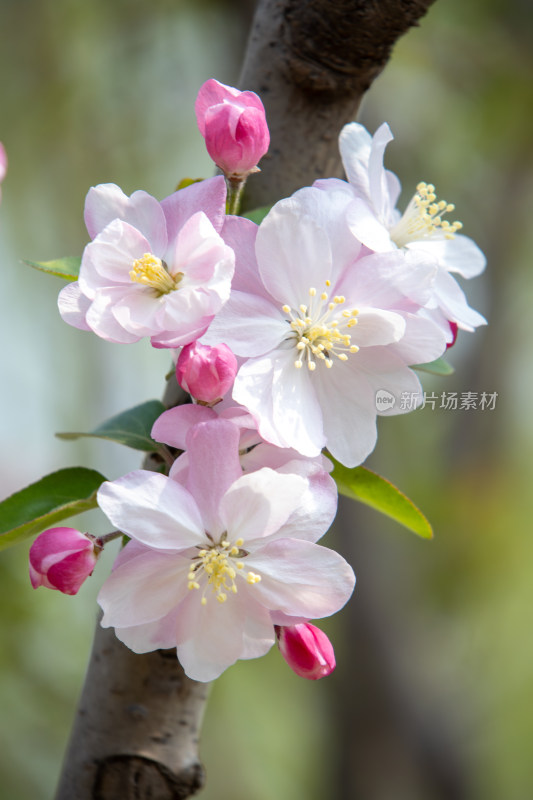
433	695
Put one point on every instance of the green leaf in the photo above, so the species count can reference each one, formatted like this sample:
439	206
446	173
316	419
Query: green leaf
257	215
370	488
67	268
55	497
437	367
187	182
131	428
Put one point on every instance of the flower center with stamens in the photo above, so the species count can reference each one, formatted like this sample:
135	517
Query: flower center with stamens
220	564
151	271
320	329
422	218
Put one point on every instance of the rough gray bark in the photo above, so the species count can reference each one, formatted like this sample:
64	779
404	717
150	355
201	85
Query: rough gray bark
136	731
311	61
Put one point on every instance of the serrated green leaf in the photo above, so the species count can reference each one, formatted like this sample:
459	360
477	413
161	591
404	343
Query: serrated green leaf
54	498
257	215
131	428
370	488
437	367
67	268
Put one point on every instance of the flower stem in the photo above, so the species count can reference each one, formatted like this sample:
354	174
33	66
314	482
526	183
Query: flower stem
235	185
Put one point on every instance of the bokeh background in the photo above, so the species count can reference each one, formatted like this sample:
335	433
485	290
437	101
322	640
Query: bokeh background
433	695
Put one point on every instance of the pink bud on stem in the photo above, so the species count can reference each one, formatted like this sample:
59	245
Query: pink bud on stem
306	649
207	373
235	130
62	558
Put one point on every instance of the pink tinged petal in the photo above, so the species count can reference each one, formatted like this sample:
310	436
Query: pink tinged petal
355	144
144	589
307	650
217	642
108	260
376	173
423	341
377	327
72	571
160	634
259	634
138	311
101	317
181	334
152	509
73	306
317	511
293	253
258	504
197	250
460	254
249	325
208	196
107	202
300	578
328	210
240	235
366	226
282	399
173	425
385	370
213	450
348	400
453	303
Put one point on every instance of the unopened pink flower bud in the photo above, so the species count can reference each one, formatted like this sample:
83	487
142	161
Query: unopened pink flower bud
206	372
234	127
62	558
307	650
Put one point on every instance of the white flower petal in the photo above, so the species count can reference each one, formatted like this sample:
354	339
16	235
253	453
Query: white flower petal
301	578
293	253
258	504
107	202
144	589
152	509
460	254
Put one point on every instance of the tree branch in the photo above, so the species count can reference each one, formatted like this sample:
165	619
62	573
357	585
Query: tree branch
311	61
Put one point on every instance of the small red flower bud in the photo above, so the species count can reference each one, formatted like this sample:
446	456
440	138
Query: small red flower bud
62	558
307	650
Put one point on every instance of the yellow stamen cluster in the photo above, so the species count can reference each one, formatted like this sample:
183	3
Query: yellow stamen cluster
218	564
422	218
320	329
151	271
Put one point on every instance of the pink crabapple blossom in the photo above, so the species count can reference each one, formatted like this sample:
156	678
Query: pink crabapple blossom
234	127
173	428
62	559
376	222
322	327
153	269
307	650
207	373
210	568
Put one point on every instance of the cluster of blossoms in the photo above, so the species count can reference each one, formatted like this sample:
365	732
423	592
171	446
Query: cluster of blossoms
283	333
